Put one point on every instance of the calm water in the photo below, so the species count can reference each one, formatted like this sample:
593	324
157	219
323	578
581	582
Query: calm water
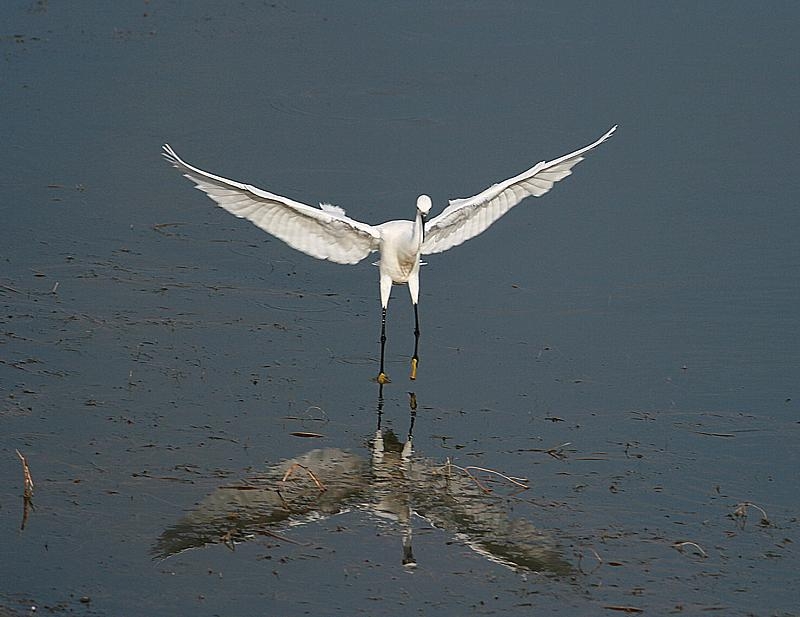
627	344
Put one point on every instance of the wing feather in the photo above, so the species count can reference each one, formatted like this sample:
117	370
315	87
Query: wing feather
320	233
463	219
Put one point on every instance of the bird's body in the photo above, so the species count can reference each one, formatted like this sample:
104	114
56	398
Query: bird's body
328	233
399	250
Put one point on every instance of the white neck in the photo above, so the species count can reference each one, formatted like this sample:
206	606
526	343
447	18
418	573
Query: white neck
418	235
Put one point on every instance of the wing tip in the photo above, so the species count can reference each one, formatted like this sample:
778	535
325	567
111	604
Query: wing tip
609	133
168	153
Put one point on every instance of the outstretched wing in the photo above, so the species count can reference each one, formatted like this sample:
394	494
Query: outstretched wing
466	218
321	233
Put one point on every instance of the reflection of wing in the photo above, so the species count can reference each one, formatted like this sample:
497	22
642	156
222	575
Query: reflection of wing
466	218
324	233
392	486
230	514
454	502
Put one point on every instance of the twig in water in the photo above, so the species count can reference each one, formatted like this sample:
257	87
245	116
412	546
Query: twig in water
227	540
26	473
580	560
272	534
310	417
518	481
679	546
466	470
294	466
27	494
160	227
558	451
477	482
741	512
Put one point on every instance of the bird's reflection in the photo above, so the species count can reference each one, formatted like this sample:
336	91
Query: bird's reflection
393	483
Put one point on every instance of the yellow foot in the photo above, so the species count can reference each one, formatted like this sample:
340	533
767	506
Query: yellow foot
382	378
414	363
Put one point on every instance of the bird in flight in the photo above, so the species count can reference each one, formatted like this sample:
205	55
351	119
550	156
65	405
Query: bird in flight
327	233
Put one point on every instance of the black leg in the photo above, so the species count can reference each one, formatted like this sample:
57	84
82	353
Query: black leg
382	378
415	357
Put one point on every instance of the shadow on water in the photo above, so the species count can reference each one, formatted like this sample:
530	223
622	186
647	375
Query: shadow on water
391	483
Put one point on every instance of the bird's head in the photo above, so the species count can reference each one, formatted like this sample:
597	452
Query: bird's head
424	204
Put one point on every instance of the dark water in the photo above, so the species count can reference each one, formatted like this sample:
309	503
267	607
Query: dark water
628	344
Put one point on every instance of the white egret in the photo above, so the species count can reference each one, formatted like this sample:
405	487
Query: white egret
327	233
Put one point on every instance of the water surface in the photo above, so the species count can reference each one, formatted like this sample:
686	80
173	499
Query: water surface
627	344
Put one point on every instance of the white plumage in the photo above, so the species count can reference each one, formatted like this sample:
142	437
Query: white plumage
463	219
328	233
